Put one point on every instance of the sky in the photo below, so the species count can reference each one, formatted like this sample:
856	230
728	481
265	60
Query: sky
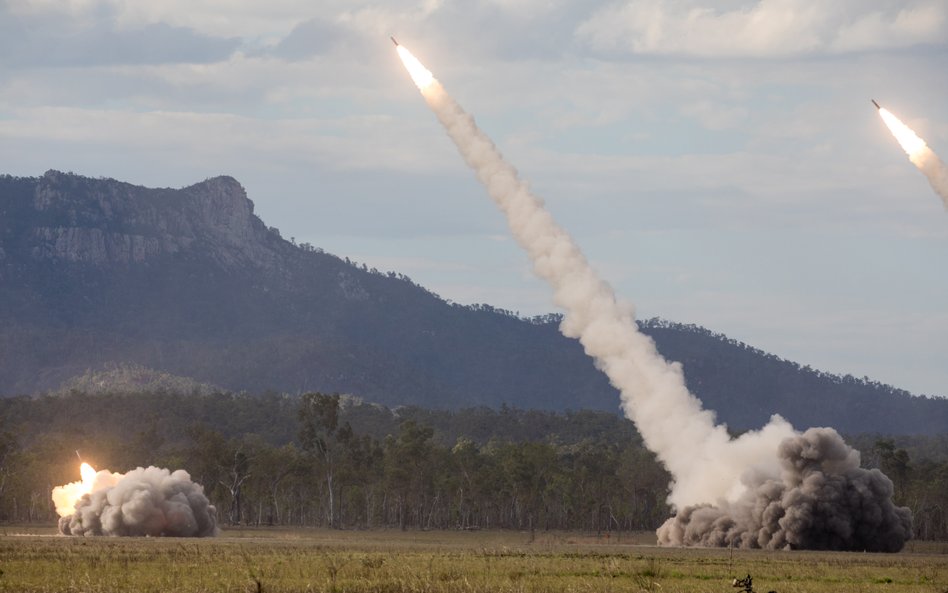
718	161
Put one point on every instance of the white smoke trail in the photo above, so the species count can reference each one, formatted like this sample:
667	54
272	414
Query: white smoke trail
919	153
767	488
934	169
706	464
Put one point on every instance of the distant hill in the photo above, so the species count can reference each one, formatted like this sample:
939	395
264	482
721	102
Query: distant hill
189	282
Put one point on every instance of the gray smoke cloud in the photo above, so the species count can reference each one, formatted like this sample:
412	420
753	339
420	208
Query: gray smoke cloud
706	464
145	501
822	500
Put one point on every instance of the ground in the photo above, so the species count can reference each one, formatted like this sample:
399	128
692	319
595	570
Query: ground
284	560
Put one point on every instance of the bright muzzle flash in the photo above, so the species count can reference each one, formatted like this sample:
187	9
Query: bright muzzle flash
66	496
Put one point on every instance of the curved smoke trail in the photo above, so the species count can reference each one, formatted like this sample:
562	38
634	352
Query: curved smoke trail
148	501
707	465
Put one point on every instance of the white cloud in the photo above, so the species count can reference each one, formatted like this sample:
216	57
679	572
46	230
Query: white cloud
35	7
75	35
221	140
715	116
251	20
915	24
764	28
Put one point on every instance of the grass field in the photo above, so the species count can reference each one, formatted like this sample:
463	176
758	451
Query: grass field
283	560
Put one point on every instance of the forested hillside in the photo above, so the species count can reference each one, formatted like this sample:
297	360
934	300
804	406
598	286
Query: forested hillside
324	460
97	273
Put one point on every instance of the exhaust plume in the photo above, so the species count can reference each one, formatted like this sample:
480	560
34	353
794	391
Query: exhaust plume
919	153
148	501
706	464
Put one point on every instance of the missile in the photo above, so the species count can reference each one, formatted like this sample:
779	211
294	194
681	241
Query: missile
78	455
393	40
874	103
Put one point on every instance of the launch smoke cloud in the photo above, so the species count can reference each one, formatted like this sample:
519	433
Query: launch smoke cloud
148	501
822	500
708	467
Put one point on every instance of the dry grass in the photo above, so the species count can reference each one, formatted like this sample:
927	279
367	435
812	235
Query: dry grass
284	560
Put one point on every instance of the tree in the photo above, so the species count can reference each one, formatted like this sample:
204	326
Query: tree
237	471
467	459
895	463
643	486
408	470
528	467
8	449
359	475
271	466
217	462
319	419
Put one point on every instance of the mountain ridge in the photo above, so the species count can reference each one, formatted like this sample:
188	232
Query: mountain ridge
191	282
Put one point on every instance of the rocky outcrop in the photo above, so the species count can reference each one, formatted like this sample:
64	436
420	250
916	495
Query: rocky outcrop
104	221
91	245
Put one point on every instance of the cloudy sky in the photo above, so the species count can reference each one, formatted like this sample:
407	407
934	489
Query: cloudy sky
719	161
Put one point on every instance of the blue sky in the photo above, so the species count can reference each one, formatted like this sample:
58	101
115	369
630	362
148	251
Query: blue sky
719	162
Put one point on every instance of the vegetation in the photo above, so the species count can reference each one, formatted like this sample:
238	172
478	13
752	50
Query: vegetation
329	461
275	561
323	460
133	378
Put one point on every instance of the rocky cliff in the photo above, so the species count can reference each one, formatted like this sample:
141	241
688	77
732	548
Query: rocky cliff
104	222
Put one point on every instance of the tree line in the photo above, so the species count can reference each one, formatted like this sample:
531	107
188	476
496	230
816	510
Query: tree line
323	460
329	475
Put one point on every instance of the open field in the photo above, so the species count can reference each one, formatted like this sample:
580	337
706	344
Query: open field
275	560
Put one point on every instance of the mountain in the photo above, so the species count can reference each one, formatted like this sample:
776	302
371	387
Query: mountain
191	283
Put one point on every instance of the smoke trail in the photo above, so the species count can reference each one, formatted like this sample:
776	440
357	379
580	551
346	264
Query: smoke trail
705	463
919	153
934	169
146	501
670	419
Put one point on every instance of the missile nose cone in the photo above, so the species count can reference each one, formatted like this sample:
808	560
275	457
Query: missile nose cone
393	40
874	103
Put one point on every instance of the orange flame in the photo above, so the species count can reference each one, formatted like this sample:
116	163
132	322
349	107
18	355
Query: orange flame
66	496
88	474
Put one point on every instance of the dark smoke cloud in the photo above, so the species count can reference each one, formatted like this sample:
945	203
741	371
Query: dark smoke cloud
145	501
822	500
